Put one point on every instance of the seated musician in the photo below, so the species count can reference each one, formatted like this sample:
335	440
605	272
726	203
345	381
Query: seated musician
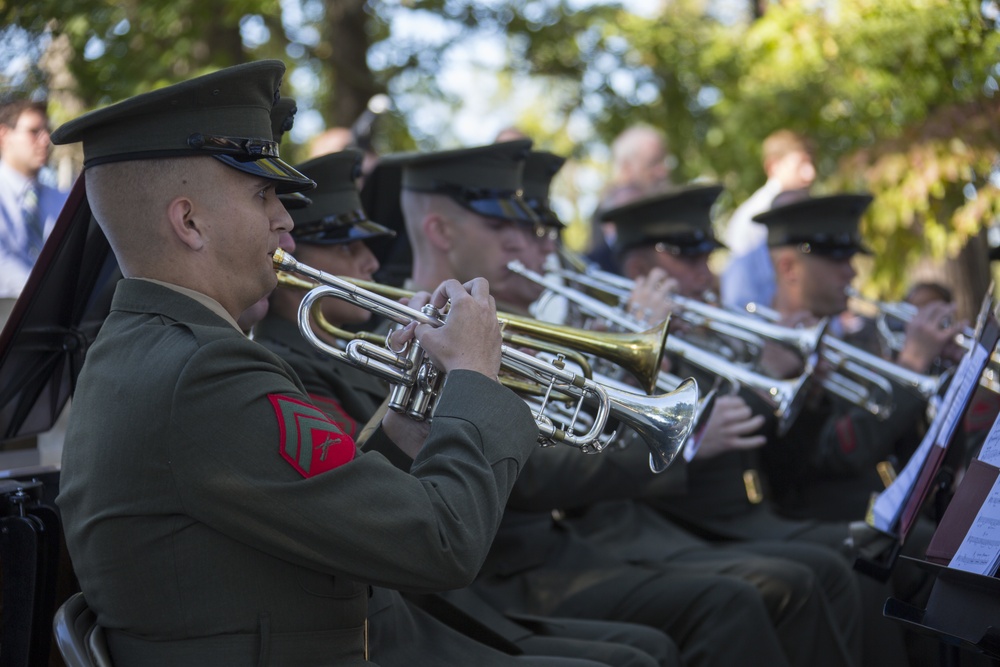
333	234
195	454
825	467
464	218
664	245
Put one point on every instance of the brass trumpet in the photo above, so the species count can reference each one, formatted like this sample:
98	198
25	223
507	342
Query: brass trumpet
664	421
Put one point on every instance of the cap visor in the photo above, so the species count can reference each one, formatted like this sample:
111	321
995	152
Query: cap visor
505	209
286	178
356	231
294	200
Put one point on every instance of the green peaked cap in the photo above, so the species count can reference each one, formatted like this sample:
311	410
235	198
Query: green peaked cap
825	226
335	215
539	169
679	220
225	114
282	120
483	179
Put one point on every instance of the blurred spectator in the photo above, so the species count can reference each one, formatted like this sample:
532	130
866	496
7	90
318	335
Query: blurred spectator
28	207
924	293
749	277
510	133
336	139
639	166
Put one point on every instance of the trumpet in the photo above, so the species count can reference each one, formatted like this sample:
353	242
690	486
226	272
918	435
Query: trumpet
785	397
904	312
664	421
879	374
288	280
804	340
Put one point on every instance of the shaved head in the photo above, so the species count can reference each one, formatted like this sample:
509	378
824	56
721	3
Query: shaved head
130	199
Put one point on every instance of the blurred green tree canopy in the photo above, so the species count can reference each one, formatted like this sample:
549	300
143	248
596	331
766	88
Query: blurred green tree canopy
900	96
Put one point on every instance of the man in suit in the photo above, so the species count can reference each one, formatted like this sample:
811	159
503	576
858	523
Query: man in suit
213	514
28	206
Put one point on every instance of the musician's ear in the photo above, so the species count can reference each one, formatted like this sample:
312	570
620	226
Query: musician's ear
786	264
437	230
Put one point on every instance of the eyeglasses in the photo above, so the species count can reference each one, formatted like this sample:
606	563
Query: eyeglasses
35	132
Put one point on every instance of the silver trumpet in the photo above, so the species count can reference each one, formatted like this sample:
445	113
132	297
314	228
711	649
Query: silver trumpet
664	421
804	340
904	312
875	375
785	397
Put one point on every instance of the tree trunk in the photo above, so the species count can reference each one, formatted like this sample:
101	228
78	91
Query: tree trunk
65	103
353	84
967	276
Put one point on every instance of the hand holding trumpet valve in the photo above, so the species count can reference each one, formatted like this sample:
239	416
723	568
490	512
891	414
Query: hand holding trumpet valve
781	361
930	334
469	339
650	302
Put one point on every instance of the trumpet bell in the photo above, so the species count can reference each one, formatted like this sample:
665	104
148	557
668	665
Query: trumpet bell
664	422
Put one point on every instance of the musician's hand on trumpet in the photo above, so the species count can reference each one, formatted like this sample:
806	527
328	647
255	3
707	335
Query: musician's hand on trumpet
929	336
729	428
649	301
781	361
470	337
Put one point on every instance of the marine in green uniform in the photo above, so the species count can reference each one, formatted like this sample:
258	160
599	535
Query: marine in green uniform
670	235
334	235
829	470
213	514
465	217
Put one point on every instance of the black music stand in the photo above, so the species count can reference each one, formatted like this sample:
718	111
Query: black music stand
29	555
963	611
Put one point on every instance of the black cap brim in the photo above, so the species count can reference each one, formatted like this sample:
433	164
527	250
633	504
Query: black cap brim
287	179
505	208
360	230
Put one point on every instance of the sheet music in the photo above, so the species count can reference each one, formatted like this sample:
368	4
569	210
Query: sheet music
889	504
980	550
967	379
990	452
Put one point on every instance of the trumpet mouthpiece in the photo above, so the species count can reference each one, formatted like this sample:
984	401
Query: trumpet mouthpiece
282	260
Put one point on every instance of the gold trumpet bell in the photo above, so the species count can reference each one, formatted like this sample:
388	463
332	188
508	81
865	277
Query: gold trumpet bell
640	354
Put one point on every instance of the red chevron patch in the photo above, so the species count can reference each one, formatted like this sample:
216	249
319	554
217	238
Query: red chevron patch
309	440
336	413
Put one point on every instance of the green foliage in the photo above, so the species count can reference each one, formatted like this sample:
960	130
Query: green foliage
900	96
895	94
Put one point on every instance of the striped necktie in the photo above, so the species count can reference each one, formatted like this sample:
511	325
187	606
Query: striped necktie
32	218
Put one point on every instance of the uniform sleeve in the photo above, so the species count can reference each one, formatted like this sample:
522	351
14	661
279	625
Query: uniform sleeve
562	477
852	440
428	529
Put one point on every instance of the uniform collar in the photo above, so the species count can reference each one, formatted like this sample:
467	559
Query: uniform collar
203	299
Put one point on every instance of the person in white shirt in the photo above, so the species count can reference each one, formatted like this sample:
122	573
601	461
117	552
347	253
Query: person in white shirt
749	276
28	207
